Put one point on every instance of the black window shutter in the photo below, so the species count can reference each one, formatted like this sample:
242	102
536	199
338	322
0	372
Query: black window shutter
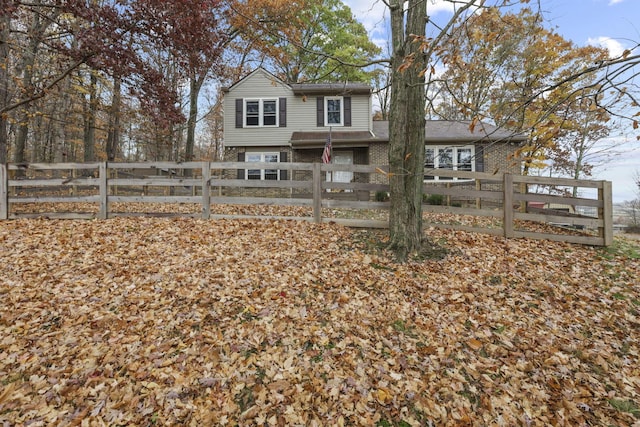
320	111
479	158
241	171
347	111
283	112
283	172
239	112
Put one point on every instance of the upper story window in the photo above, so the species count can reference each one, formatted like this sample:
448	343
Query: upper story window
448	157
261	112
334	111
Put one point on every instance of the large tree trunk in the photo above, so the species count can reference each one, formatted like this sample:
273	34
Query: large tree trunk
5	22
113	133
406	127
63	134
28	63
195	84
90	120
21	136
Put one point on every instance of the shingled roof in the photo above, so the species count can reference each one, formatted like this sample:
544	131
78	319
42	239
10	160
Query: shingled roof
330	88
436	131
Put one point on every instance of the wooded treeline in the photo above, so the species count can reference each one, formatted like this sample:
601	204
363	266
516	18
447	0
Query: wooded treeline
119	79
84	80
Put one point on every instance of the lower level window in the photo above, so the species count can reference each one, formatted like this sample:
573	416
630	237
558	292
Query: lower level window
262	174
448	157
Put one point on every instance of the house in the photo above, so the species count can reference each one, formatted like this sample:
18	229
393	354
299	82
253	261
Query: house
268	120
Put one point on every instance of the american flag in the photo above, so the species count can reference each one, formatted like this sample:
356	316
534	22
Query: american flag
326	154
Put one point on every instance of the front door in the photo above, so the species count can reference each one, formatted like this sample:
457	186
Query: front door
343	158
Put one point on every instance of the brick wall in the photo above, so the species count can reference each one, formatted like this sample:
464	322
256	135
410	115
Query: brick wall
231	155
379	155
500	158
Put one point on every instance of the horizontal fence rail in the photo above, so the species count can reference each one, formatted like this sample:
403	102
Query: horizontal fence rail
506	200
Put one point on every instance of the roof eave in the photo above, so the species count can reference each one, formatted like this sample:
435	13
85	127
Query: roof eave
325	90
340	143
475	139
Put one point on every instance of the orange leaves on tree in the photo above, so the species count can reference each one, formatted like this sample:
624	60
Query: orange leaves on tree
407	63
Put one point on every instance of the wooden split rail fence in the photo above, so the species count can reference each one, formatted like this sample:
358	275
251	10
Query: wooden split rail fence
504	198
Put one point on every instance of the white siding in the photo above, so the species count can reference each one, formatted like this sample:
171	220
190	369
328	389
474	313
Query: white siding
301	113
257	85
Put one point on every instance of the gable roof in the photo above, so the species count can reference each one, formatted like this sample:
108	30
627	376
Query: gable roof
331	88
309	88
251	74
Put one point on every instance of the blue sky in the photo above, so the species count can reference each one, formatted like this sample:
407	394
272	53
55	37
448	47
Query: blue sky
614	24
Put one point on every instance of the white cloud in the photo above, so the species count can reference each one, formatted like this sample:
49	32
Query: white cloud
373	14
615	47
612	2
436	6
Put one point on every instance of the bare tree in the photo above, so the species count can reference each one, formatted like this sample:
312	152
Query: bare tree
406	125
5	23
411	54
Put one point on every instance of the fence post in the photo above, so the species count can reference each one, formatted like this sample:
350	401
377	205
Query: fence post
524	189
104	191
206	190
317	192
507	205
4	192
605	213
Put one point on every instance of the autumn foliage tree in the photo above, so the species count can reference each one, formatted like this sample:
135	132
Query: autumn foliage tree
303	40
503	67
195	34
406	126
112	38
582	145
498	68
125	65
411	56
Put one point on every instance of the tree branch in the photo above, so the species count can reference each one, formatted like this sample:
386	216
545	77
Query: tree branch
47	88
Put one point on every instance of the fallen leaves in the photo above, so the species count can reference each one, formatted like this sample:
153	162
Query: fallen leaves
474	344
188	322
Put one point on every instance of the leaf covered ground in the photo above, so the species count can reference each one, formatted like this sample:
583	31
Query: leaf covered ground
148	321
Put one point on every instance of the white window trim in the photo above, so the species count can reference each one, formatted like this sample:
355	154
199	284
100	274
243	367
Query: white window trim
455	149
262	159
326	110
261	102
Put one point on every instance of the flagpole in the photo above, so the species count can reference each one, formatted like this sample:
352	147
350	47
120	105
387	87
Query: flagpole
331	147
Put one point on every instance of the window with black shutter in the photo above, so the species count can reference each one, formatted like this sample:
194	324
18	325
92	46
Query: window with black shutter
262	174
260	112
